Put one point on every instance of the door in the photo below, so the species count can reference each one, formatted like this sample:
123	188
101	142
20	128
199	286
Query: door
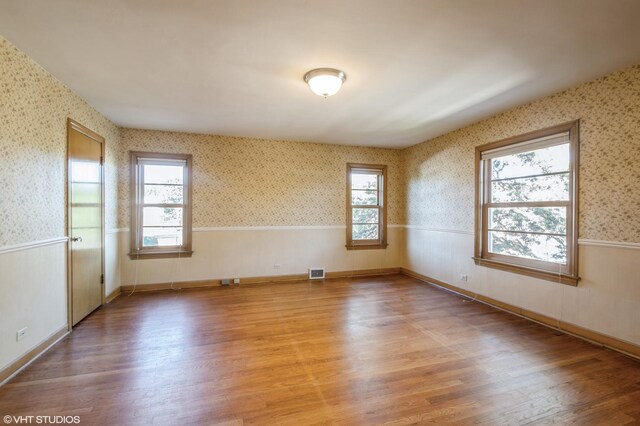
86	220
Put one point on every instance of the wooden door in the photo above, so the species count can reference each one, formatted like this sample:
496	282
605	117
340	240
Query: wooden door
86	220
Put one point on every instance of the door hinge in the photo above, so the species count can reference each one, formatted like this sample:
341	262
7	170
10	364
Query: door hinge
101	160
102	279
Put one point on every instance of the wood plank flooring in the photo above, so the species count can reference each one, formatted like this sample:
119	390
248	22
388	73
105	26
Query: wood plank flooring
379	350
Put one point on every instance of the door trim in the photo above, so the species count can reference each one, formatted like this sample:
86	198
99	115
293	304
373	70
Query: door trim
74	125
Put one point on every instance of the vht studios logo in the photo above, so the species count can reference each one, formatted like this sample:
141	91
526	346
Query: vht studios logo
41	420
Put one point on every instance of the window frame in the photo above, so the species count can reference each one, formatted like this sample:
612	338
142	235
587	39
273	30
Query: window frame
381	241
137	250
565	274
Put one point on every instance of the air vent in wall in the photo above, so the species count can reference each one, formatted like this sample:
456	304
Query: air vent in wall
316	273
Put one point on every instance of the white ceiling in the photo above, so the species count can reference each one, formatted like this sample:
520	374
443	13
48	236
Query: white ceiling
415	68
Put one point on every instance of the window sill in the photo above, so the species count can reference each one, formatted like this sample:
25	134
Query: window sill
160	254
367	246
531	272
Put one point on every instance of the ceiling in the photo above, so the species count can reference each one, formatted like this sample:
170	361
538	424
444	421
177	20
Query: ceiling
415	68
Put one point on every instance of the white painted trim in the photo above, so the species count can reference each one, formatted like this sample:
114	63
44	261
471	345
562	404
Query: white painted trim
582	242
267	228
277	228
32	244
615	244
448	231
258	228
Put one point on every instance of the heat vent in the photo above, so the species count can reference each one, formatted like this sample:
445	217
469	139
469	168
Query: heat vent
316	273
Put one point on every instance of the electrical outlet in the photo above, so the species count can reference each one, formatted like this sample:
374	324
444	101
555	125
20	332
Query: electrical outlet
21	334
236	280
316	273
277	266
464	278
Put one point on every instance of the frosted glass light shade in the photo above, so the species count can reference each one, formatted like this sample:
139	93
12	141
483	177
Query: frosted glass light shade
325	81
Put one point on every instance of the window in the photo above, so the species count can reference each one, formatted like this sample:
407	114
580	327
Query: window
160	205
526	204
366	206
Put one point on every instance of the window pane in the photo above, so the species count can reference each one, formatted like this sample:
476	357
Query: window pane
552	220
530	246
163	174
85	171
364	232
364	215
161	216
163	194
541	188
361	197
86	217
540	161
362	181
158	237
86	193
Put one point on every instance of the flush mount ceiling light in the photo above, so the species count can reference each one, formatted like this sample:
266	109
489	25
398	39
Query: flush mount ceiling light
325	81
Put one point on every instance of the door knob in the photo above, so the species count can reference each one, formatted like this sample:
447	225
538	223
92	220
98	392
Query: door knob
76	239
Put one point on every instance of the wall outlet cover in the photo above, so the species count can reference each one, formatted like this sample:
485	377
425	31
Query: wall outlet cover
21	334
316	273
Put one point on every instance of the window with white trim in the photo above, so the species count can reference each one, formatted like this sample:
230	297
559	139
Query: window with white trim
526	209
161	205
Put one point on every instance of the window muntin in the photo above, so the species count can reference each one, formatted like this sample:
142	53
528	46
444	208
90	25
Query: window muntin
366	216
161	217
527	201
519	225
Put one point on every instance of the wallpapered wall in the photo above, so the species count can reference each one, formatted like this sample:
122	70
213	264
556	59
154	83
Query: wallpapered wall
440	172
252	182
34	107
256	182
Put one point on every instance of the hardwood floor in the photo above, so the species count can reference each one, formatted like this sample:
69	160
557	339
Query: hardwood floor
378	350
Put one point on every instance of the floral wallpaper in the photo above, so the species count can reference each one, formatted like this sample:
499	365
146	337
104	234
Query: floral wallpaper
440	172
259	182
34	107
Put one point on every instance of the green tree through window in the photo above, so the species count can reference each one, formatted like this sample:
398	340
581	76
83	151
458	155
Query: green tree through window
526	206
366	221
548	221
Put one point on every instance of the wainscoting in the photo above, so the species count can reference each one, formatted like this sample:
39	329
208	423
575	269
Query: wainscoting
606	300
260	252
33	294
33	291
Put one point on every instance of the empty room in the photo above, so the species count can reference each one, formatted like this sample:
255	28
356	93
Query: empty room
292	212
